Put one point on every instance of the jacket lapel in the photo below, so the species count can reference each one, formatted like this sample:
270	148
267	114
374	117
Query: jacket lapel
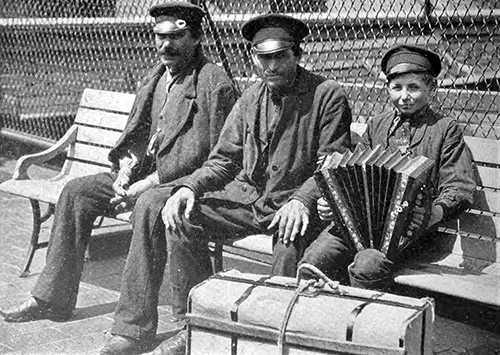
180	103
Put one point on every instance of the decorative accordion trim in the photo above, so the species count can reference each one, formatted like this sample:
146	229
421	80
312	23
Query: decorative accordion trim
373	192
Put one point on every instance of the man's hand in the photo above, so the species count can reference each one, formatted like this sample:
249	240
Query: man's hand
180	202
325	212
130	195
121	184
291	219
436	215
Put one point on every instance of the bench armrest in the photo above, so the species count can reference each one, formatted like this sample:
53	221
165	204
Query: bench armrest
24	162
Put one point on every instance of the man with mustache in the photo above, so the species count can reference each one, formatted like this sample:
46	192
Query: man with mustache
259	177
176	119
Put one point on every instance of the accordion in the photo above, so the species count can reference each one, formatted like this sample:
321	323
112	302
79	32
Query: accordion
372	193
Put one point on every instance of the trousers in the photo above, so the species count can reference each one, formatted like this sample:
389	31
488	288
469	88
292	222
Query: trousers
81	201
215	219
136	314
337	258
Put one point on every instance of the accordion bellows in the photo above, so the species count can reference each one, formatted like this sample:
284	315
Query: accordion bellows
372	193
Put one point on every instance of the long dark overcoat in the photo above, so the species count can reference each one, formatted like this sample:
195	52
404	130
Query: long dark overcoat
200	105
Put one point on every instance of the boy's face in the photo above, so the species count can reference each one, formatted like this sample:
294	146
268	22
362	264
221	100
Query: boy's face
409	93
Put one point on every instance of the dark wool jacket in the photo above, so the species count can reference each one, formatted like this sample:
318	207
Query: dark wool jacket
313	122
200	105
439	138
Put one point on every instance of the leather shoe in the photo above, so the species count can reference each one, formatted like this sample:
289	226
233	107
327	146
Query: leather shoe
121	345
35	309
175	345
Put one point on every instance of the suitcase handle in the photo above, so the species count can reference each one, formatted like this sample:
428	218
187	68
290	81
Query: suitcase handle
334	285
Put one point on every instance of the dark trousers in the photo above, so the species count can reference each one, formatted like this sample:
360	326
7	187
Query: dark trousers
136	314
81	202
221	220
337	258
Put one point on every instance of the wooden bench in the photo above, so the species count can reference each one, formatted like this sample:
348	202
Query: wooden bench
99	121
467	263
464	263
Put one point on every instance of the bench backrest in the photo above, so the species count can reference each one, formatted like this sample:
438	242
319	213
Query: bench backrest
483	219
100	119
477	229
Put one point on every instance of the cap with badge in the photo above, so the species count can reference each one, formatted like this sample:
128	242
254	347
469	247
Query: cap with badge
273	32
404	59
176	16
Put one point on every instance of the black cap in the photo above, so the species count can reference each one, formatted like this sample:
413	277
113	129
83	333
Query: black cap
273	32
405	58
186	14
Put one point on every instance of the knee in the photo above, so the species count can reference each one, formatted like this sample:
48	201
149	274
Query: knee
370	269
74	187
149	201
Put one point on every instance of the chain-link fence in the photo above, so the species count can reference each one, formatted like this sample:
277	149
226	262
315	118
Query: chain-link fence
52	49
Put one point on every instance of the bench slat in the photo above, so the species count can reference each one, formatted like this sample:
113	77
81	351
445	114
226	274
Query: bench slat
107	100
77	168
484	150
476	224
449	277
106	119
489	177
487	200
486	250
97	136
91	153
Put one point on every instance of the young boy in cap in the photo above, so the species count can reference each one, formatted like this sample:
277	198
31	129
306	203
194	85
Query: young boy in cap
259	177
414	128
176	119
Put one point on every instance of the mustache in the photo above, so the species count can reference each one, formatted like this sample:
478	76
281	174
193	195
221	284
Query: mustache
170	52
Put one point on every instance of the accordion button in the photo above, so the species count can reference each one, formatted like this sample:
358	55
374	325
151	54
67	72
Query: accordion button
244	188
275	168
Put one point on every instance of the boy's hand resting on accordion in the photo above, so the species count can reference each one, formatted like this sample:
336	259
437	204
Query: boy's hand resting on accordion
422	205
325	212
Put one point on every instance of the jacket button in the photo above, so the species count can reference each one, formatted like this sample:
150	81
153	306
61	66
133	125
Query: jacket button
275	167
244	188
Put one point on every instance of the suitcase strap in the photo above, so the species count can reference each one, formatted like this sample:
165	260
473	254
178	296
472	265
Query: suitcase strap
288	313
236	306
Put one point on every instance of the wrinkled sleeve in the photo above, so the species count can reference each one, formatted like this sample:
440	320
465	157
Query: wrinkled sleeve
456	174
334	135
223	162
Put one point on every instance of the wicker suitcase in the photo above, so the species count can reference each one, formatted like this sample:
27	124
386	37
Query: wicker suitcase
236	313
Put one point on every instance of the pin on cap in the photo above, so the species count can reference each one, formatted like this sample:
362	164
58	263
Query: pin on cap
176	16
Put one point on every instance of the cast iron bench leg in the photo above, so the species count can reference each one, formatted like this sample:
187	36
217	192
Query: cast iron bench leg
35	234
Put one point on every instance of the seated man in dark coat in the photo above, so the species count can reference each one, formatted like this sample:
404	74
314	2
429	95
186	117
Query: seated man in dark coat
259	177
176	119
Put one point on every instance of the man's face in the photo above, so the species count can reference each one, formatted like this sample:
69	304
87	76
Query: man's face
409	93
176	49
278	70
